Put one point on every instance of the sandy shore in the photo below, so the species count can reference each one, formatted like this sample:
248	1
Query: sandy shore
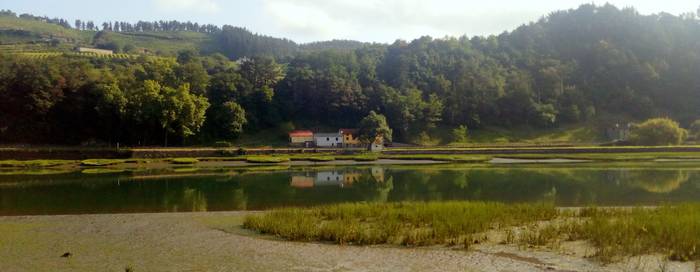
215	242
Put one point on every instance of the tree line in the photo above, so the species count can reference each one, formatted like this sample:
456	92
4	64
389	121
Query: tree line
119	26
591	63
144	26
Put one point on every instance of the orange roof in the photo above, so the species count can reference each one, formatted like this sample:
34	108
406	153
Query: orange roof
301	133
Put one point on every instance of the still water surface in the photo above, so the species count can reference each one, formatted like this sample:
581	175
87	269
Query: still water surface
181	190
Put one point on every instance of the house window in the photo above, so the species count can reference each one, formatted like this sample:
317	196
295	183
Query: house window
336	139
328	139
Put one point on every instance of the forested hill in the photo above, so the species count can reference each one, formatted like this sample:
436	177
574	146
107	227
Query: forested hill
159	38
586	65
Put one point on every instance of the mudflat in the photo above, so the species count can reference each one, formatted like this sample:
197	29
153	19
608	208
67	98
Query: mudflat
214	241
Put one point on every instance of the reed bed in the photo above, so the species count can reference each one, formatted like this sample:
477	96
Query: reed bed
407	224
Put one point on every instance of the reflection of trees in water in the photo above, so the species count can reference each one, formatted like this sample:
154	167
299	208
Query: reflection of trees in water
194	200
262	190
654	180
185	200
371	188
423	185
503	184
565	186
239	199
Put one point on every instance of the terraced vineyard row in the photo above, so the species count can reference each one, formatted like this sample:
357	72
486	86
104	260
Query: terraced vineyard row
44	55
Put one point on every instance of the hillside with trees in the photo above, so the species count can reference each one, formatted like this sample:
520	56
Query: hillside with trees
189	83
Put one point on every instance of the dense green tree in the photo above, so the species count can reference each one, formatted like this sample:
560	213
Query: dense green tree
260	75
373	126
181	113
231	118
658	131
460	134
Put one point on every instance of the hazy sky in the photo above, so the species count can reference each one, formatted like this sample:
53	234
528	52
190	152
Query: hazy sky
312	20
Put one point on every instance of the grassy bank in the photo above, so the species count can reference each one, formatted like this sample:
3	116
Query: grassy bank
410	224
439	155
615	233
673	231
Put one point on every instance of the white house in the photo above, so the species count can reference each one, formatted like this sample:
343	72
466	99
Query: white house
328	139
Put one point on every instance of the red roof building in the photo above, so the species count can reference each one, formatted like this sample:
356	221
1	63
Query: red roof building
301	138
301	133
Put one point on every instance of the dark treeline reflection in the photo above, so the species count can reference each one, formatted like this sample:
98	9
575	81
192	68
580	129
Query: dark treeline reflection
241	190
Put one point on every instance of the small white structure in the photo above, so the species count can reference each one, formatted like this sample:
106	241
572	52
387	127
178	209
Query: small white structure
95	50
328	139
378	144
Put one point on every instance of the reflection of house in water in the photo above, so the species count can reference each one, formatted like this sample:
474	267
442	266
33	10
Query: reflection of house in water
335	178
378	174
350	178
302	181
329	178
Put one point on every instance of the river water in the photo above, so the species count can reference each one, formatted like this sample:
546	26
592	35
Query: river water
260	188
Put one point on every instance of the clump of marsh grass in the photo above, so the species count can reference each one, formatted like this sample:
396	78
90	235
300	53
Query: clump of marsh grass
670	230
617	232
407	224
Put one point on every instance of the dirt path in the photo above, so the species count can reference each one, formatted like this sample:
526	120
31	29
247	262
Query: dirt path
196	242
